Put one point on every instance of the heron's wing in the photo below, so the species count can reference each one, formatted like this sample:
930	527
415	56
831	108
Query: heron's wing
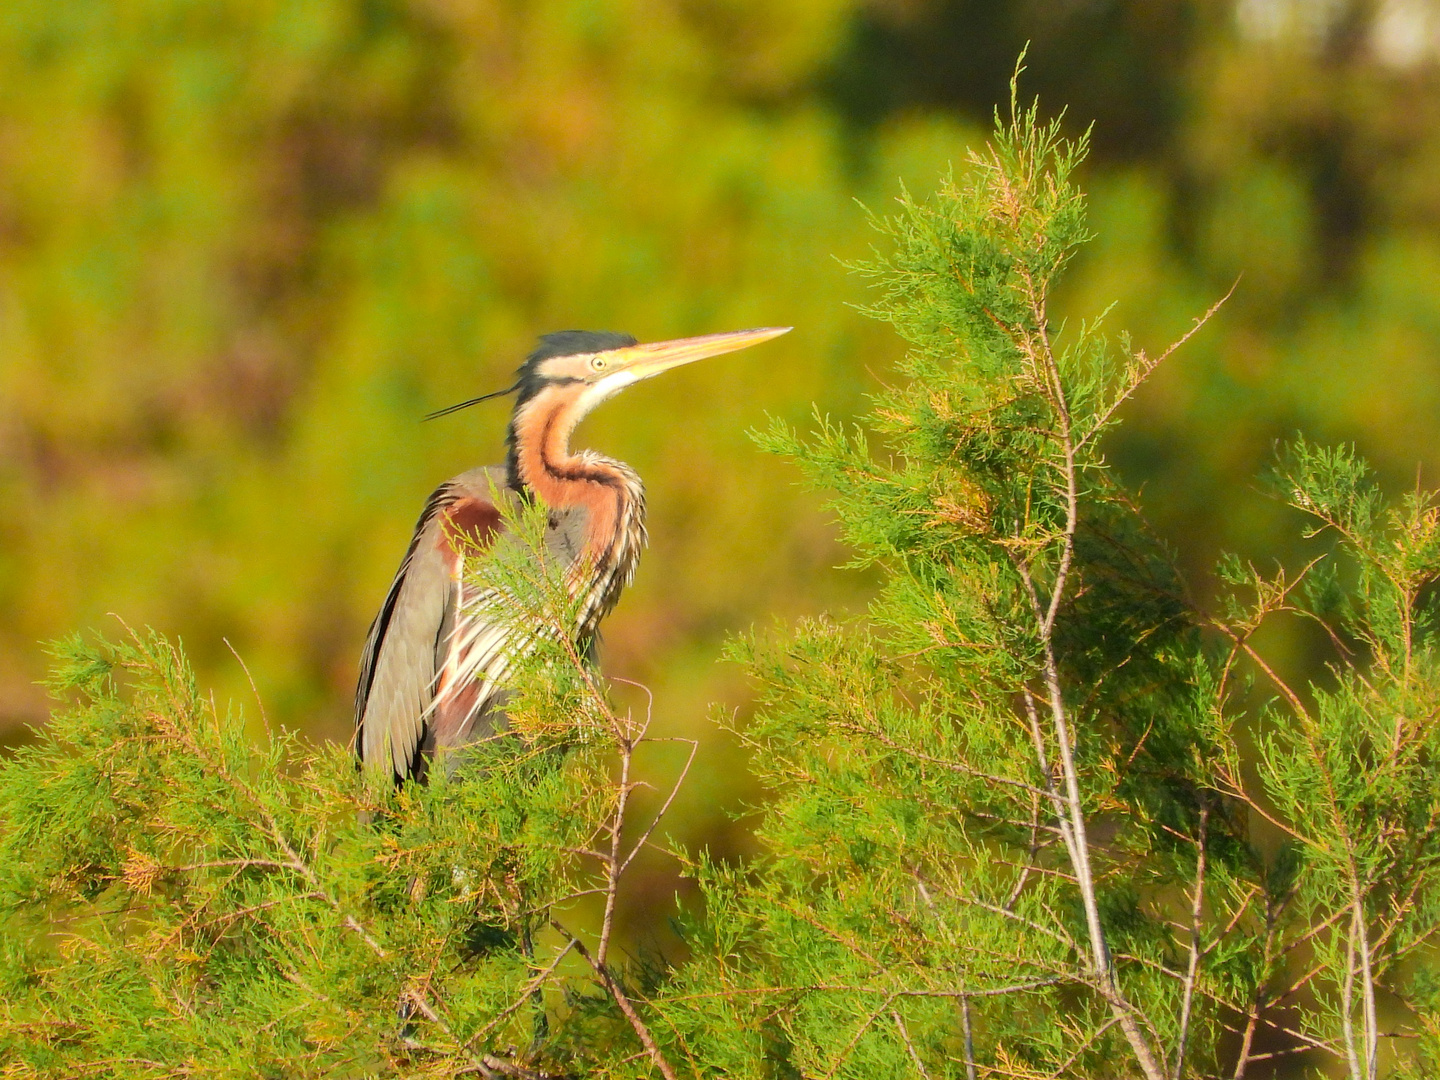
482	636
475	641
412	634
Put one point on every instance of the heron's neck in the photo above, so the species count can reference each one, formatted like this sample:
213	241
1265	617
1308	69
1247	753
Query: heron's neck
542	462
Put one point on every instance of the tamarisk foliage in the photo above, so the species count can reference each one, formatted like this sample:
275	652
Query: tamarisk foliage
1015	826
176	901
1036	814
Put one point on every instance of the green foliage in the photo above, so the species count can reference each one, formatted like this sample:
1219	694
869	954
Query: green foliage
1009	826
177	900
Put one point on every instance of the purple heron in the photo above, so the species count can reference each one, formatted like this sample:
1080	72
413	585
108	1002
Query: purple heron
431	674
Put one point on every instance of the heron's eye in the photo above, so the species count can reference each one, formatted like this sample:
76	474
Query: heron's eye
597	363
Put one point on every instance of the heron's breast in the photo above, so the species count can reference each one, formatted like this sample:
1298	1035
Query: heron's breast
613	565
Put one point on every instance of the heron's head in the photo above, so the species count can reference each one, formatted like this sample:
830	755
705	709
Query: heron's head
572	371
579	369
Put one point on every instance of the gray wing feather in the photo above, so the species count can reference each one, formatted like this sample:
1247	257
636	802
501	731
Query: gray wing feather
398	665
423	620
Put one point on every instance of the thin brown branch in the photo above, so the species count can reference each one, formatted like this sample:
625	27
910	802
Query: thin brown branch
888	992
1059	935
612	861
969	1037
665	806
485	1064
259	701
1197	909
1145	366
944	763
1034	850
622	1001
855	1039
525	995
1239	913
1275	680
909	1044
1257	1000
1064	1069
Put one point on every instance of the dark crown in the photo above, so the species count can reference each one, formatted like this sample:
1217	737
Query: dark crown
576	342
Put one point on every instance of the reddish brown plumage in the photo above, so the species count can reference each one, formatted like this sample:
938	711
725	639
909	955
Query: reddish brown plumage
469	522
543	463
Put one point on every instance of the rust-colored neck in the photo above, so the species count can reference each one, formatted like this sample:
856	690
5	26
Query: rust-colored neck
541	462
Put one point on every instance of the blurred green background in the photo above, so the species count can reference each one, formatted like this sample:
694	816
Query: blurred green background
246	244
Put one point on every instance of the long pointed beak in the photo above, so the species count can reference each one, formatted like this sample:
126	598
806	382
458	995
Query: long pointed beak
652	358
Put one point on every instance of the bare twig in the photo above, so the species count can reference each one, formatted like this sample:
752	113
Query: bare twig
1064	1069
969	1037
890	993
910	1045
1145	365
618	995
612	860
855	1039
669	800
525	995
1367	987
1029	858
259	701
1347	1006
1197	909
962	767
1035	344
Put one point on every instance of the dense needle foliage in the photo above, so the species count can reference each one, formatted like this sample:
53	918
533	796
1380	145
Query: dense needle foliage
1011	825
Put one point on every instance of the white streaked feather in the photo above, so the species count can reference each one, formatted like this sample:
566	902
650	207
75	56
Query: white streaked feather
481	645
